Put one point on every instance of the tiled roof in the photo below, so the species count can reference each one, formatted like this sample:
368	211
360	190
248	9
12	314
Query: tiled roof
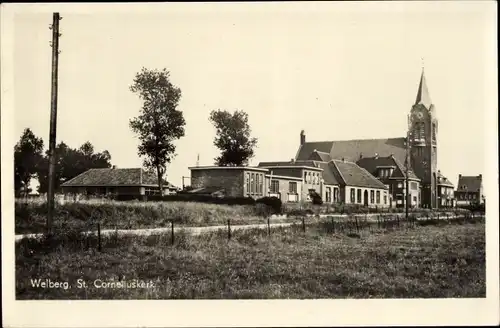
353	150
444	181
353	175
307	148
115	177
327	174
320	156
471	183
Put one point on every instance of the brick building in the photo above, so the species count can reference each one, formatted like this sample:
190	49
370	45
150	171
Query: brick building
469	190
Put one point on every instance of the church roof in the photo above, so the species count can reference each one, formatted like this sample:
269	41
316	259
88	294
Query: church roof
423	96
353	150
442	180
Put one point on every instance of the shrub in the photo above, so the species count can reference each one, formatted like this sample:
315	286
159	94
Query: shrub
273	203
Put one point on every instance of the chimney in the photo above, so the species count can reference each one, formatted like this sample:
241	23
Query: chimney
302	137
459	176
343	159
360	155
480	176
292	160
376	155
392	155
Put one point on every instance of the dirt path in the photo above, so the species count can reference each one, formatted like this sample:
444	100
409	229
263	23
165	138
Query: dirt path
199	230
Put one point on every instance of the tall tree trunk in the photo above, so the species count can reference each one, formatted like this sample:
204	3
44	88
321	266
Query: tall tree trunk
160	184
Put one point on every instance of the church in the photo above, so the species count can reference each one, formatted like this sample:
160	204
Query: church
386	158
367	172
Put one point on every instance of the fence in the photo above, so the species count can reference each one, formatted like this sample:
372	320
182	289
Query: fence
353	225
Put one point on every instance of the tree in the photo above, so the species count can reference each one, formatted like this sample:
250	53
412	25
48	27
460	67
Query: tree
27	159
70	163
159	123
232	137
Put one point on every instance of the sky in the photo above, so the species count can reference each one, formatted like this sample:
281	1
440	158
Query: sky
336	70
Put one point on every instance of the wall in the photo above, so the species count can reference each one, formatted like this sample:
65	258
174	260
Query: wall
346	193
231	180
284	189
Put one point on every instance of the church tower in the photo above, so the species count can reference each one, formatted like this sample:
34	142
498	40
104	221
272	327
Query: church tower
423	144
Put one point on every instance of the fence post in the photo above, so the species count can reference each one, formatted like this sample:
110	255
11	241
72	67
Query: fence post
268	226
98	236
303	224
333	224
172	236
228	229
356	221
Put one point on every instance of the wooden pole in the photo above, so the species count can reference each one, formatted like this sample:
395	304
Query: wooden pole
268	226
53	121
303	224
99	237
172	236
228	229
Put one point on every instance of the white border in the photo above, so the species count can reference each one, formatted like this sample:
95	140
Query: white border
242	313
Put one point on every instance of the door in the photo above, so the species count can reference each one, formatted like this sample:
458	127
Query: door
365	197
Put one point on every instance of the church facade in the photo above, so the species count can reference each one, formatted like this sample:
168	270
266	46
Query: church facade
418	148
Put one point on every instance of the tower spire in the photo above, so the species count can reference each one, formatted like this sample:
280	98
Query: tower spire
423	96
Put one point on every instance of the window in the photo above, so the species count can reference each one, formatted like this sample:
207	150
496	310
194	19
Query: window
328	194
292	187
252	183
378	196
372	196
275	186
359	196
385	199
305	177
247	182
352	196
434	132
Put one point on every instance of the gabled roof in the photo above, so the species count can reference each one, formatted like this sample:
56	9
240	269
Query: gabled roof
471	183
307	148
371	164
423	97
115	177
442	180
353	150
327	174
319	156
353	175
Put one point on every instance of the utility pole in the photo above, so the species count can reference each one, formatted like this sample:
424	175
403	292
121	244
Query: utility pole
53	119
407	168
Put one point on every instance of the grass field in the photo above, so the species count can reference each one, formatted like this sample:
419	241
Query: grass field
30	216
425	262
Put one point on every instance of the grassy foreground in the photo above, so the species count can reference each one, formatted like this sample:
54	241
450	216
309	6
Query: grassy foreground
30	216
423	262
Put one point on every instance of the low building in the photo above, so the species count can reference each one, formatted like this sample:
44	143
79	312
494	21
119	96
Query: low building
392	173
446	191
358	186
469	190
116	181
